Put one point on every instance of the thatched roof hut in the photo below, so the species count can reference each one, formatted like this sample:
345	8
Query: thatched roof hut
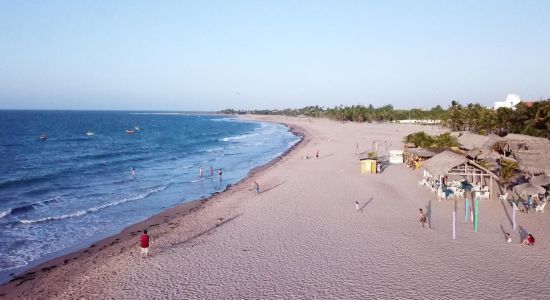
450	163
443	162
520	142
533	162
542	180
421	152
529	189
470	141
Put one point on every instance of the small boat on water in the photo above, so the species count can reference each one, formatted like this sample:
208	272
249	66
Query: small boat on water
130	131
137	128
43	137
90	133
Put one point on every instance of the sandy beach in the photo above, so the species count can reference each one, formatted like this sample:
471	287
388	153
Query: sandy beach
302	237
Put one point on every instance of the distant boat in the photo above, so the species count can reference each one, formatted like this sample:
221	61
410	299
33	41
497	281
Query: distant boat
137	128
129	131
90	133
43	137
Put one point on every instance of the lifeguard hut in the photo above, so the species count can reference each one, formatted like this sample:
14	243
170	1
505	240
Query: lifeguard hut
368	166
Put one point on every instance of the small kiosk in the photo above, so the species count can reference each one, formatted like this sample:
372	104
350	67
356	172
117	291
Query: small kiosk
368	166
396	156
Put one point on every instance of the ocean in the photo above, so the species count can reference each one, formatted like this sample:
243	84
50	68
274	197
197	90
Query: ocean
76	186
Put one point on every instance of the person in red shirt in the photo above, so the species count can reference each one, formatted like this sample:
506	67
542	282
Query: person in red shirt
144	241
530	240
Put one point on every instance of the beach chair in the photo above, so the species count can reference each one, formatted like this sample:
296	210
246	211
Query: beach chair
503	196
540	207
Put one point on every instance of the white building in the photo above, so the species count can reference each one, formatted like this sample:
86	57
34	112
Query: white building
511	101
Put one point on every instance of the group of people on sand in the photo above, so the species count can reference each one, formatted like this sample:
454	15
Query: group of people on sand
201	171
308	157
529	240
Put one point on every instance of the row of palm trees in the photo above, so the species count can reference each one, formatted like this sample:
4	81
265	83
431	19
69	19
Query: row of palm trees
527	118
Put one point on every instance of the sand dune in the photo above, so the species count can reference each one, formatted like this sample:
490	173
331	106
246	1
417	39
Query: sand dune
303	238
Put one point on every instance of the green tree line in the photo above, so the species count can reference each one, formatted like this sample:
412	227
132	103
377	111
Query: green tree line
527	118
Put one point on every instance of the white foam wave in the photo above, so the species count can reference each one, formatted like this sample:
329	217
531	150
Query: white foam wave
5	213
94	209
238	137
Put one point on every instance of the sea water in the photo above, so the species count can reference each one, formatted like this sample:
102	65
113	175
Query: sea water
77	184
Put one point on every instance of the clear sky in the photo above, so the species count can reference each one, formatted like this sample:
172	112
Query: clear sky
210	55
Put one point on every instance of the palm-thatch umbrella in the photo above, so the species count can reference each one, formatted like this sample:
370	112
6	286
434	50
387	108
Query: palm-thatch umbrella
542	180
529	189
465	185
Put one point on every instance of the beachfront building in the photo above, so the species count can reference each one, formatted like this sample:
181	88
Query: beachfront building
453	170
511	101
422	122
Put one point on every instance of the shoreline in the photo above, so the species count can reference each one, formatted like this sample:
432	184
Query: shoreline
163	221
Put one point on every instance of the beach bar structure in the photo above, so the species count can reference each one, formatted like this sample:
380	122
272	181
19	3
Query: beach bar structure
450	164
414	157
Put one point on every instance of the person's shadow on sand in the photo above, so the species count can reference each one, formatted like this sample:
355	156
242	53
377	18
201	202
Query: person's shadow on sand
522	233
364	205
429	214
269	189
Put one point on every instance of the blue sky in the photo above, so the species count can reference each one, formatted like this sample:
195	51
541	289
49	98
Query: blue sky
210	55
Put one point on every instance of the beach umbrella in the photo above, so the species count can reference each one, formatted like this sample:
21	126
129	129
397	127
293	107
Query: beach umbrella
466	185
542	180
529	189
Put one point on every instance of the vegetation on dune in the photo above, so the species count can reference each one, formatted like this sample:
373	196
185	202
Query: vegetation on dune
530	119
421	139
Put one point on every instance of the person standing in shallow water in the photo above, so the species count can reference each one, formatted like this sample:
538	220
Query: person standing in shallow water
211	171
133	171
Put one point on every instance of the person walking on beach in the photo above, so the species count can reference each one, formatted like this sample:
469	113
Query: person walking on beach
257	187
421	218
317	153
144	241
508	238
356	149
211	171
356	205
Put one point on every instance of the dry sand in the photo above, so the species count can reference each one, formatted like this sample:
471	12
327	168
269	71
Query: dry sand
303	238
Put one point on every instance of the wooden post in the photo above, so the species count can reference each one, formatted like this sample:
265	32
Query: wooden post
466	209
514	210
490	187
440	188
454	222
